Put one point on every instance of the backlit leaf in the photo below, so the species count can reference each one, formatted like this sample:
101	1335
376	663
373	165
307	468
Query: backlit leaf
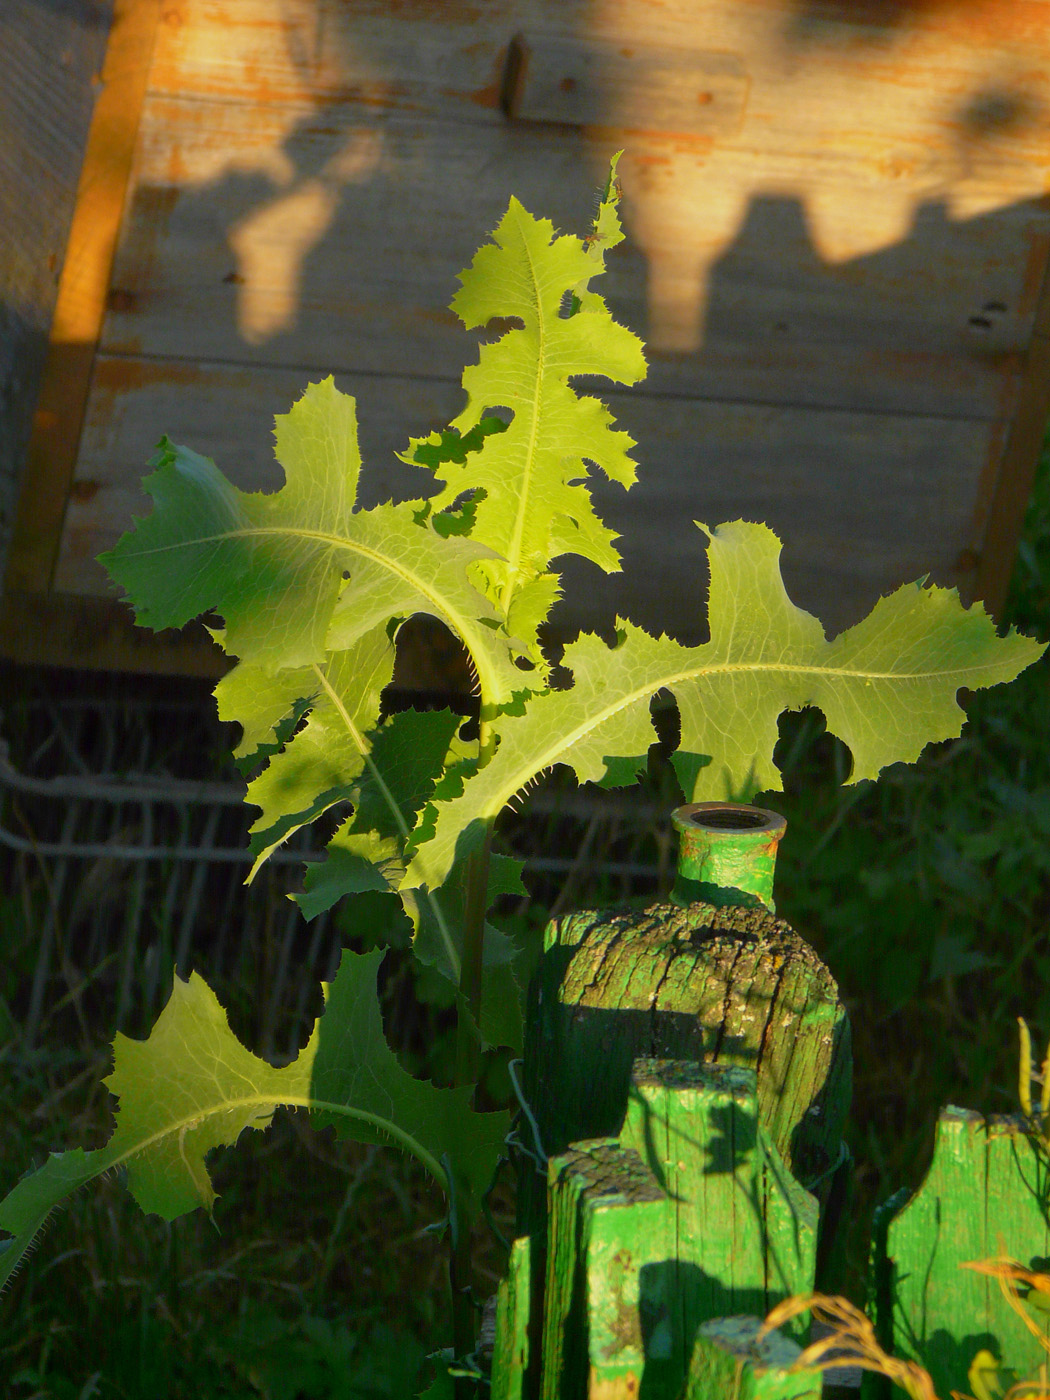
531	501
276	565
192	1087
887	688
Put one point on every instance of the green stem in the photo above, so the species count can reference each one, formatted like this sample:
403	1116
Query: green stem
468	1055
471	968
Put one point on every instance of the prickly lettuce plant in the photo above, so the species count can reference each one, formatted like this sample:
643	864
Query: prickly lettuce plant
312	591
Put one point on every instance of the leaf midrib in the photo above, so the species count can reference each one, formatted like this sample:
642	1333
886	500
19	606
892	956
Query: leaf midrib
364	748
553	753
514	552
465	626
280	1100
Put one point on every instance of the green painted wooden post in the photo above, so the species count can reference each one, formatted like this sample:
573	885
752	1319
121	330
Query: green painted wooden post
724	985
981	1198
730	1363
684	1065
510	1356
608	1221
690	1215
743	1231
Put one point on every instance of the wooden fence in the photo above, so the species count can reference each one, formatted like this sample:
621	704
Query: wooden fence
684	1171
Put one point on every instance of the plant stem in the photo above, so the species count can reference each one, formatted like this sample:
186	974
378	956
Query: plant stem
468	1060
472	965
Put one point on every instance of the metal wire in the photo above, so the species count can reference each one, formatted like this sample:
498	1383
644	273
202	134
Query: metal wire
135	867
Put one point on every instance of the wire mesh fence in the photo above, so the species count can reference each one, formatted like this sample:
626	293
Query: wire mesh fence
124	835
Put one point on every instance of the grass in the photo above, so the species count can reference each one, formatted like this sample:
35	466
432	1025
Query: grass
927	894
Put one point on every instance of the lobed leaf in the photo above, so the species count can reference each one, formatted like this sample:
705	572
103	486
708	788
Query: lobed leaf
530	501
280	568
887	688
326	760
191	1087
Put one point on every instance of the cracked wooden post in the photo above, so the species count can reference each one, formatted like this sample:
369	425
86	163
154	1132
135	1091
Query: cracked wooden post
726	985
675	1025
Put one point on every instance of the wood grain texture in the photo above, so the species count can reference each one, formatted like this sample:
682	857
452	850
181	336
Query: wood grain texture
50	57
840	287
288	235
862	502
1002	502
896	94
690	91
510	1357
980	1200
694	984
81	296
659	1233
743	1231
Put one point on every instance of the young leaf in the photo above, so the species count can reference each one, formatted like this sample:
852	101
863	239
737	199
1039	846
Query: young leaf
322	764
192	1087
275	566
887	688
530	501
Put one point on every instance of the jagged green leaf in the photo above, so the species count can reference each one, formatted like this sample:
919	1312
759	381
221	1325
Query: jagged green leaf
887	687
395	775
191	1087
276	565
360	861
531	503
266	705
324	762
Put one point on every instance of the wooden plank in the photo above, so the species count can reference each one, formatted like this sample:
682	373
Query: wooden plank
510	1357
696	1125
656	1235
630	1277
49	58
745	1232
603	1203
1017	1228
729	1360
228	414
570	79
1007	484
614	987
268	236
979	1201
62	629
81	296
911	105
942	1223
793	467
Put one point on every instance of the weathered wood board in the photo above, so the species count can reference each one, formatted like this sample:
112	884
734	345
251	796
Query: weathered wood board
983	1199
838	234
50	56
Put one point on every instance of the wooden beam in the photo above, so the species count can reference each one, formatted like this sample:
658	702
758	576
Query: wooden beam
82	295
1012	486
62	629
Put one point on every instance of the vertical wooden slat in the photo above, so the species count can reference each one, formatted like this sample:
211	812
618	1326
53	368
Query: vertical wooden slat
82	294
980	1200
1017	467
510	1359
